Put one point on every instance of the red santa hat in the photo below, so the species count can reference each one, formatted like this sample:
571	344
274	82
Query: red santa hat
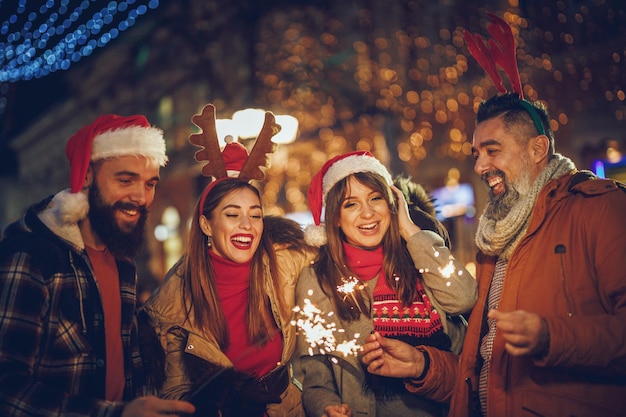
108	136
234	156
333	171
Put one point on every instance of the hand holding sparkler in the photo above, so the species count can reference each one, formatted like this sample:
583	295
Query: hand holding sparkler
392	357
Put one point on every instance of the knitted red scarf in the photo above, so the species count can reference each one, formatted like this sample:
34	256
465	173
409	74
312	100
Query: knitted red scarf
391	317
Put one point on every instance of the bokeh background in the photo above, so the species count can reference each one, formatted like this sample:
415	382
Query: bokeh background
394	77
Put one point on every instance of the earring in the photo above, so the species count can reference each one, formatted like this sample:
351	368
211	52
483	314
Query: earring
208	241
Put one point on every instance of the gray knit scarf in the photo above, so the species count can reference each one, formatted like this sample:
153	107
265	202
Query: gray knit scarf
500	237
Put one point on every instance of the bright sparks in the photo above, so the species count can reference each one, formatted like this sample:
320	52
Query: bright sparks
349	347
320	334
447	269
348	287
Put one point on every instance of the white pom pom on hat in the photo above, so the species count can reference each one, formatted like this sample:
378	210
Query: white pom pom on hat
108	136
333	171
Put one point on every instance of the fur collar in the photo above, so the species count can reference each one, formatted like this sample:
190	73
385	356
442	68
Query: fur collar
56	219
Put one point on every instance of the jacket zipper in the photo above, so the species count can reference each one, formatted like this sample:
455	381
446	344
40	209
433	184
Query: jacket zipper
470	395
80	294
560	250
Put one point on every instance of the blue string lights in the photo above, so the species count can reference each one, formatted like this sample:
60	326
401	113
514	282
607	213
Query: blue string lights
51	35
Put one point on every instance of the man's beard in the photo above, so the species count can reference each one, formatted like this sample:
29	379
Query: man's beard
500	205
121	242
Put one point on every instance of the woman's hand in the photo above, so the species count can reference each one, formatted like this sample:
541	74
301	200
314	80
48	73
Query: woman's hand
337	410
407	227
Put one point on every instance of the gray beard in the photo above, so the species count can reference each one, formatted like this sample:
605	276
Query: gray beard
500	206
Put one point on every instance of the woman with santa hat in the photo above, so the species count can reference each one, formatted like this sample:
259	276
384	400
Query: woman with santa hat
377	271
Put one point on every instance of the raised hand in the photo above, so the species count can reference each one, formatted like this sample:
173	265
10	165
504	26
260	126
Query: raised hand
407	227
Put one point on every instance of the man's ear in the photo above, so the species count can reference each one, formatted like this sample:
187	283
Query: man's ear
89	177
539	148
205	226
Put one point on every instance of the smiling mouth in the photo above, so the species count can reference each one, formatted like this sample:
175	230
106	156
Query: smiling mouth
496	184
130	212
494	181
368	227
241	242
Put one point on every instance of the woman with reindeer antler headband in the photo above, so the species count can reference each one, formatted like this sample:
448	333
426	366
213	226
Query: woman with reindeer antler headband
547	336
223	312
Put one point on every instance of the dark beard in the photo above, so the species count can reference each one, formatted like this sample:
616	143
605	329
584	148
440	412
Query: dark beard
121	243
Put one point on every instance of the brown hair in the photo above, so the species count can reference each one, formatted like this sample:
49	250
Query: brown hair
332	266
199	289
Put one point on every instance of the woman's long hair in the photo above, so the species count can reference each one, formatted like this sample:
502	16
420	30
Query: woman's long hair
199	290
332	265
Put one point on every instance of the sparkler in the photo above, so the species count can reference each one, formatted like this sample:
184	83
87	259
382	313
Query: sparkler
349	285
317	332
320	334
349	347
447	269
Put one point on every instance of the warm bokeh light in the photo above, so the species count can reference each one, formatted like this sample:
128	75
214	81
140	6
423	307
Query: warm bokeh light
395	77
418	87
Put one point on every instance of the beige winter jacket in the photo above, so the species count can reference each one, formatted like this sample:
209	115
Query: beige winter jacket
181	337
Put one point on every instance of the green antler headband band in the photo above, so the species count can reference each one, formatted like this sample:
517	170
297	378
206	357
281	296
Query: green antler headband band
534	115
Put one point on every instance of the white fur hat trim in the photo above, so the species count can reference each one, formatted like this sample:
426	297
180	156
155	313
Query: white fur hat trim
132	140
351	165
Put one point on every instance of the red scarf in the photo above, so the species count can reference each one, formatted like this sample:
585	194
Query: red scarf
233	288
366	264
391	317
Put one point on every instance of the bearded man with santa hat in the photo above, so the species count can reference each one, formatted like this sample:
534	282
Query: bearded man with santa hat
68	331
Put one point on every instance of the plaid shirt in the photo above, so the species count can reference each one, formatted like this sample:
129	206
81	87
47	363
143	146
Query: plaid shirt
52	347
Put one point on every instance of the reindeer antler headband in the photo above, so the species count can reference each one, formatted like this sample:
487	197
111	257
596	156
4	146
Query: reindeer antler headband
234	161
500	52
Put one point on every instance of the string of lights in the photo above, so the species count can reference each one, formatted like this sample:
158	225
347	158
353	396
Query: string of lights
38	39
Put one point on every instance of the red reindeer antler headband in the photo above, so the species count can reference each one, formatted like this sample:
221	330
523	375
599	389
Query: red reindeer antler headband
234	161
500	52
